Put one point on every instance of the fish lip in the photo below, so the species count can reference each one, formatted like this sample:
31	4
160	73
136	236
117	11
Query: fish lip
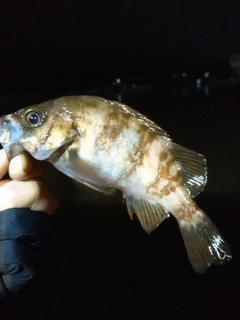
10	133
5	122
12	150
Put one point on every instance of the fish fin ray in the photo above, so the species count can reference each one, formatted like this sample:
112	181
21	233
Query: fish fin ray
193	167
204	243
149	213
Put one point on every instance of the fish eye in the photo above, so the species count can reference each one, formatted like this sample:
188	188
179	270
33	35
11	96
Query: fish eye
33	118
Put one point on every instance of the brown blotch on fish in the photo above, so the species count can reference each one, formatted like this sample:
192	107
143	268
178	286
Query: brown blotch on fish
178	177
166	190
169	162
142	150
163	155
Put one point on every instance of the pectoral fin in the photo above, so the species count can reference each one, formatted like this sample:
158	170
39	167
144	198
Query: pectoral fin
149	213
108	191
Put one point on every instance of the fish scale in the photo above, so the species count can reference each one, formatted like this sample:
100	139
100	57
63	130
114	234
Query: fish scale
111	147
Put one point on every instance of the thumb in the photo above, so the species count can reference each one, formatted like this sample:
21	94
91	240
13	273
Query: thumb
23	167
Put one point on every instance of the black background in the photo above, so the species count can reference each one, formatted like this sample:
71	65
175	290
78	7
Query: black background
54	42
101	265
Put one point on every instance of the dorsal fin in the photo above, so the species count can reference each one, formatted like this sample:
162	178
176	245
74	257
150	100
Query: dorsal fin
139	116
193	167
150	213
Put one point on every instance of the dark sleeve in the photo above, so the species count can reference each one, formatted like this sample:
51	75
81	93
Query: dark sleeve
22	231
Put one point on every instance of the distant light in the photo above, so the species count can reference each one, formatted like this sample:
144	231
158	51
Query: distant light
184	74
118	80
174	75
198	82
206	74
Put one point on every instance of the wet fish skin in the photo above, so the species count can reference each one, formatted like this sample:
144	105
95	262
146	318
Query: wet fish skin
109	146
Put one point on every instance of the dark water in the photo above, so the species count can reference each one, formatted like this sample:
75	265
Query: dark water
102	265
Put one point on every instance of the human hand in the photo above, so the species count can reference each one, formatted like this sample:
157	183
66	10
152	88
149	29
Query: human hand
24	224
24	189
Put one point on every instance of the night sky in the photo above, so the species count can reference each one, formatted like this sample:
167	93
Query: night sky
46	41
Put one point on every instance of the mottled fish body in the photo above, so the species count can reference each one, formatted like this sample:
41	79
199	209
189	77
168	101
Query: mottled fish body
111	147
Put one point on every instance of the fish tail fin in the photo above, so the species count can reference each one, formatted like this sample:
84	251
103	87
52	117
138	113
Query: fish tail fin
204	243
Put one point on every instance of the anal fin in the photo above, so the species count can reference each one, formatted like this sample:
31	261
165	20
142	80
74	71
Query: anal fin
150	213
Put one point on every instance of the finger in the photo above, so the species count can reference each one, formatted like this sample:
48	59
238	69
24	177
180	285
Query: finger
32	194
2	182
23	167
4	163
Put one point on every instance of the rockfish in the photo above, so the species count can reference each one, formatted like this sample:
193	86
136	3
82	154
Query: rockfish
111	147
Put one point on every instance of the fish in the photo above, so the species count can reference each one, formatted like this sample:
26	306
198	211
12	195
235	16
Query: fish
114	149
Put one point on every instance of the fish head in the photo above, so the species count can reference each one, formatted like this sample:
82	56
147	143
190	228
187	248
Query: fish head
41	130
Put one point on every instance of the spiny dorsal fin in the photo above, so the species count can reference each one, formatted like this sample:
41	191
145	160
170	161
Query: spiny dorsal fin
139	116
149	213
193	167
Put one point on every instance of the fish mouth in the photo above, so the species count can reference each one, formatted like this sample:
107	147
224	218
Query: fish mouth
12	150
9	137
5	124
